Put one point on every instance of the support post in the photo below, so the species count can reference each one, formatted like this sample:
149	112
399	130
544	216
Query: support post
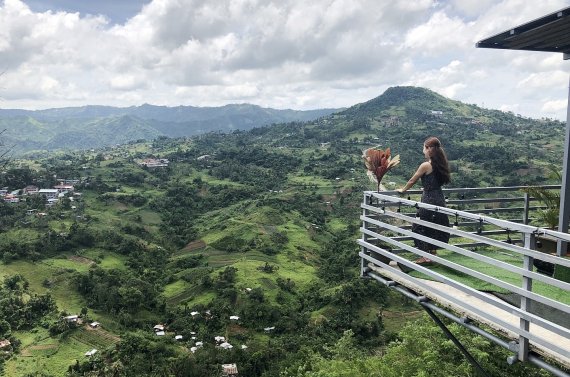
529	241
564	216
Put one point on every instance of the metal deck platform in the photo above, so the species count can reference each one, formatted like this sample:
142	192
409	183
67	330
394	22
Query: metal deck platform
386	239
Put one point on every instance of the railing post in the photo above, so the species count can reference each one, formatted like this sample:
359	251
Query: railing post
526	208
363	266
529	243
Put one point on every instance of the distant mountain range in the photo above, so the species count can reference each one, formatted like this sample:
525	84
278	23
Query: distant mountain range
99	126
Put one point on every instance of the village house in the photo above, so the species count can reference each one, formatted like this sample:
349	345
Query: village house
30	190
229	370
69	181
154	162
72	318
91	353
49	193
5	345
63	188
10	198
219	339
226	346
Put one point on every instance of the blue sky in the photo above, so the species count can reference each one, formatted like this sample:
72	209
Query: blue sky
118	11
273	53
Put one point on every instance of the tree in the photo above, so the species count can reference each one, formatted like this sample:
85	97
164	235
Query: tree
4	152
5	329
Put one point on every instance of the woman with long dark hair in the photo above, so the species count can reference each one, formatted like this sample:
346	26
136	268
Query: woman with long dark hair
433	173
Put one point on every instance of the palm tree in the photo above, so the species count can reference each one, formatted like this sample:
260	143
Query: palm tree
550	199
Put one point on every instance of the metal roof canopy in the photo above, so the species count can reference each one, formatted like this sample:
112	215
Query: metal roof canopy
550	33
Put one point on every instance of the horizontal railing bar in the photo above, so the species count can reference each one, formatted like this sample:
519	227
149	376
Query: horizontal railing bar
468	190
492	210
464	223
463	245
487	233
485	200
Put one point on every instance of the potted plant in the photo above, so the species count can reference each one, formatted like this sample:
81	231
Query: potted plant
549	216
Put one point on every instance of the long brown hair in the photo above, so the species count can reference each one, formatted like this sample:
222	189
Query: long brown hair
438	160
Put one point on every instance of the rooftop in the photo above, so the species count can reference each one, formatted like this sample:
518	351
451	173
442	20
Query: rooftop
550	33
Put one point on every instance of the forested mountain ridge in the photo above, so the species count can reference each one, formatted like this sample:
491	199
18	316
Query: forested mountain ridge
486	147
98	126
258	225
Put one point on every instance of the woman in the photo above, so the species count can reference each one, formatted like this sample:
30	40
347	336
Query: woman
433	173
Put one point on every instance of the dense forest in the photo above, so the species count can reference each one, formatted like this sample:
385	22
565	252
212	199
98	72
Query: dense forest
177	256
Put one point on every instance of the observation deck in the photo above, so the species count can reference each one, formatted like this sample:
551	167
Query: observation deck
496	277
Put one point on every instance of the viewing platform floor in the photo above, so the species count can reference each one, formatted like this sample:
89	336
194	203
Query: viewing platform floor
436	292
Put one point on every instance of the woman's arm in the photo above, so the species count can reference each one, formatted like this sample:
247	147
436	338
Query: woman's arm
424	168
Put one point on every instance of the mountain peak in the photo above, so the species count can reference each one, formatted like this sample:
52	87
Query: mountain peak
402	97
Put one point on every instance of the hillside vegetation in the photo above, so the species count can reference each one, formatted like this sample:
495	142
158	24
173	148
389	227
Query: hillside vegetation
257	224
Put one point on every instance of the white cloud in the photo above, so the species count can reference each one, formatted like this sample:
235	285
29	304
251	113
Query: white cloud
440	34
555	106
540	80
275	53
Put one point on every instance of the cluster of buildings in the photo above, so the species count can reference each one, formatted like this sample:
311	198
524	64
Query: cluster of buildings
52	195
154	162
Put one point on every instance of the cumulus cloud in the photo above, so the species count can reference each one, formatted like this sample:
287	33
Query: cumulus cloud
553	107
275	53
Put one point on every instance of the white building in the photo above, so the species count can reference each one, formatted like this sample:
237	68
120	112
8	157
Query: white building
49	193
91	353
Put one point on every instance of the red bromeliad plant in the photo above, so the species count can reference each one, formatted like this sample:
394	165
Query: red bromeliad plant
378	162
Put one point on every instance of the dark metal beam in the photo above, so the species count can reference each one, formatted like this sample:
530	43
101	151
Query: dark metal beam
457	343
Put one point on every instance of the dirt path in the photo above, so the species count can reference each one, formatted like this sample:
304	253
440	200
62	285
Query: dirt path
26	351
194	245
104	333
82	260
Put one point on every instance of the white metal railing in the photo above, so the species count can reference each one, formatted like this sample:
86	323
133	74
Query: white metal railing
386	236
